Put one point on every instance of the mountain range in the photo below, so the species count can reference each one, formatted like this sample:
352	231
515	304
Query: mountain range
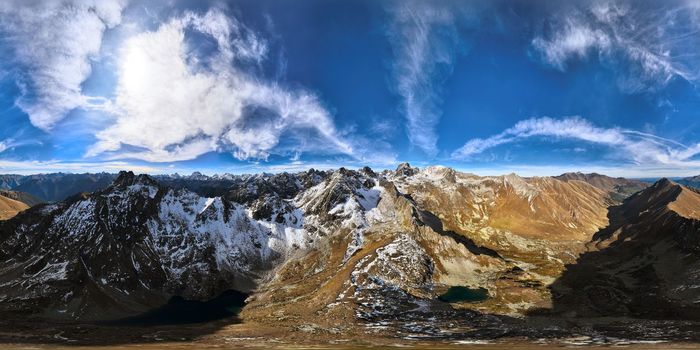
692	181
350	250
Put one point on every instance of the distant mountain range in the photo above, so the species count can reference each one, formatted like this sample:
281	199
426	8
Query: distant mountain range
59	186
692	181
55	187
620	187
356	249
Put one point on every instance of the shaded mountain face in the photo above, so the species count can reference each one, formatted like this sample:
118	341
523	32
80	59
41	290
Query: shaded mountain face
644	264
618	187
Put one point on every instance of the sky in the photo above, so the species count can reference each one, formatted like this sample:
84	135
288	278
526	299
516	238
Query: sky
488	87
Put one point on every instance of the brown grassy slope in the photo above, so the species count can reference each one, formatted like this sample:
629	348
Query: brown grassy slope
10	207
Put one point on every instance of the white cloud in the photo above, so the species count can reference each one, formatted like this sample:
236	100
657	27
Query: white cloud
574	39
54	42
648	46
173	104
424	38
3	146
628	145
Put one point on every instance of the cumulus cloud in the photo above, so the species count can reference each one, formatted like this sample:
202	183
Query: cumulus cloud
175	104
631	146
54	42
647	46
424	38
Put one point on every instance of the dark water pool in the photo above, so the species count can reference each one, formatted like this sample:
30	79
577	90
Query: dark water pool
181	311
463	294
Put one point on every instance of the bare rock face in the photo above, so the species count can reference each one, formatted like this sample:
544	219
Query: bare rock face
405	169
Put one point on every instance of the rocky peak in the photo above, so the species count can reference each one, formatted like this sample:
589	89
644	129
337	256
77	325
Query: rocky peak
662	188
198	176
659	198
368	171
128	178
405	169
439	171
664	183
519	185
124	178
284	185
342	186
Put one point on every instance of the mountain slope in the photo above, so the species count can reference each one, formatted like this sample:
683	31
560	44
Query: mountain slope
619	187
10	207
646	263
10	181
23	197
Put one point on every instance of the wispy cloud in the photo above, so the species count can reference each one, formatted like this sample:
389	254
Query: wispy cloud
54	166
648	47
425	41
17	141
630	146
638	171
173	104
54	43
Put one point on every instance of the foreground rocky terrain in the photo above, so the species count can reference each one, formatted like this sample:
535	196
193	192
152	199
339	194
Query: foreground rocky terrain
356	252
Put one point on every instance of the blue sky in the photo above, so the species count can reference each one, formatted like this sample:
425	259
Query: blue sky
490	87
